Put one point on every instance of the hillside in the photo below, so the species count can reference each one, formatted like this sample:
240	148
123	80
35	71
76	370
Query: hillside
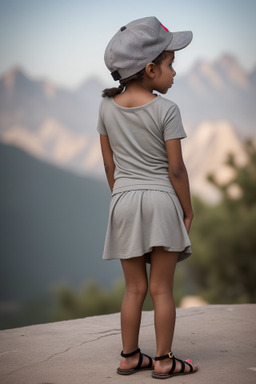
52	226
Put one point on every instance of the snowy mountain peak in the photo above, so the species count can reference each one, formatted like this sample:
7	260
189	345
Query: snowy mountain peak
206	151
209	73
209	131
225	71
233	71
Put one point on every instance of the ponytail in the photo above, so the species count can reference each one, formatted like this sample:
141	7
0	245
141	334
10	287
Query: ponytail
111	92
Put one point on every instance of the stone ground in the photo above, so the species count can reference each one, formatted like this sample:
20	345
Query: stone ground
220	338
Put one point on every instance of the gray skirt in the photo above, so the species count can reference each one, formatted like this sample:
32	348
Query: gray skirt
142	219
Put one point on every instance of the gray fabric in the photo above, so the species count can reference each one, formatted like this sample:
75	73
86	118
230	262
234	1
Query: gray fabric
138	43
142	219
144	210
137	137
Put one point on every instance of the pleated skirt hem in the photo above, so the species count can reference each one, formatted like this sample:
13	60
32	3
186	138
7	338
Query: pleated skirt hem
183	253
143	219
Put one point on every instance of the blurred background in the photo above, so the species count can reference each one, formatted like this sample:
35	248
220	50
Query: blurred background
53	195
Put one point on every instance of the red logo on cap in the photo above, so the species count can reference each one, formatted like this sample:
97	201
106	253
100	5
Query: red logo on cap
167	30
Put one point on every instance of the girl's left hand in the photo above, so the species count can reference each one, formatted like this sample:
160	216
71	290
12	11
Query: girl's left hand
187	222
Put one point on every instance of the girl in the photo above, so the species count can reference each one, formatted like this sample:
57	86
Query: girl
150	210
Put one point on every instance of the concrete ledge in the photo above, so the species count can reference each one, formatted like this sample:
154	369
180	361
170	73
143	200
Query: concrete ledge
220	338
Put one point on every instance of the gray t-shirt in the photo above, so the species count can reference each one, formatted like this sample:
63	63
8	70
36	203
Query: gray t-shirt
137	137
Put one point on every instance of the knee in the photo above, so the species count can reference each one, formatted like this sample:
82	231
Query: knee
139	289
157	289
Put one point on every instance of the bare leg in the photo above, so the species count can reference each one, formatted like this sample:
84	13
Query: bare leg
136	289
161	289
163	265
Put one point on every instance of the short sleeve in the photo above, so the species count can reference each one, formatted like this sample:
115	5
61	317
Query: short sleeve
172	125
101	126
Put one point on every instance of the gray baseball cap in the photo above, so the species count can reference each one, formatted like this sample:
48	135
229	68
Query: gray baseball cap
138	43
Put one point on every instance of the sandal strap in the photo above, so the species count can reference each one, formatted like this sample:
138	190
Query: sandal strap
150	364
130	354
169	356
190	366
140	361
163	357
183	363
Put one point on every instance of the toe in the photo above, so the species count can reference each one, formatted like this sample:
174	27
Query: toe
189	365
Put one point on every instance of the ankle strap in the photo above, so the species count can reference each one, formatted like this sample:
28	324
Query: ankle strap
130	354
169	356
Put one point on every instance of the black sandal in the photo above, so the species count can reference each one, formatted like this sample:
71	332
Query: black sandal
171	373
138	367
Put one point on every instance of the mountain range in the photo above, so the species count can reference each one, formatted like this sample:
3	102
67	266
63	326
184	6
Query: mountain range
59	125
221	90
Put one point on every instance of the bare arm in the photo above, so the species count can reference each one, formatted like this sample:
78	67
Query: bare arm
107	155
179	178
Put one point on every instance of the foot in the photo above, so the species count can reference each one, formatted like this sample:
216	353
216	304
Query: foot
132	362
164	366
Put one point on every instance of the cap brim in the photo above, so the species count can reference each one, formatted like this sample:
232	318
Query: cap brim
180	40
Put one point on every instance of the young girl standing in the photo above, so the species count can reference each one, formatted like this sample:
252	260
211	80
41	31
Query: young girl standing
150	210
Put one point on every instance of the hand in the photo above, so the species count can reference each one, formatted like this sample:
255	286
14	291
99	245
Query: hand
187	222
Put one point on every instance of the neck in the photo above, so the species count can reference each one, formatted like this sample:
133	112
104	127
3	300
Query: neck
135	95
139	86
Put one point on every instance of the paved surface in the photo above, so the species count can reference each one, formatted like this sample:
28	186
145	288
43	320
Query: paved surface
221	339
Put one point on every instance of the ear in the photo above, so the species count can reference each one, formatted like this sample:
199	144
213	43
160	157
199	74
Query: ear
150	70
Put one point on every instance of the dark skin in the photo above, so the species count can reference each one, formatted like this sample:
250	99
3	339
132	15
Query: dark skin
137	93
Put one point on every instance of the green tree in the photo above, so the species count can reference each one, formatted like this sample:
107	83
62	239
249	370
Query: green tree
93	300
223	267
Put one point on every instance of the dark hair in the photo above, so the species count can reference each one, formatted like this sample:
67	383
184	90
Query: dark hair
111	92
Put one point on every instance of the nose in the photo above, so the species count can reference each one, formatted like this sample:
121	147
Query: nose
174	73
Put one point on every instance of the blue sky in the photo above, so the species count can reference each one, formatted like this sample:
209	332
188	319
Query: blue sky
64	41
